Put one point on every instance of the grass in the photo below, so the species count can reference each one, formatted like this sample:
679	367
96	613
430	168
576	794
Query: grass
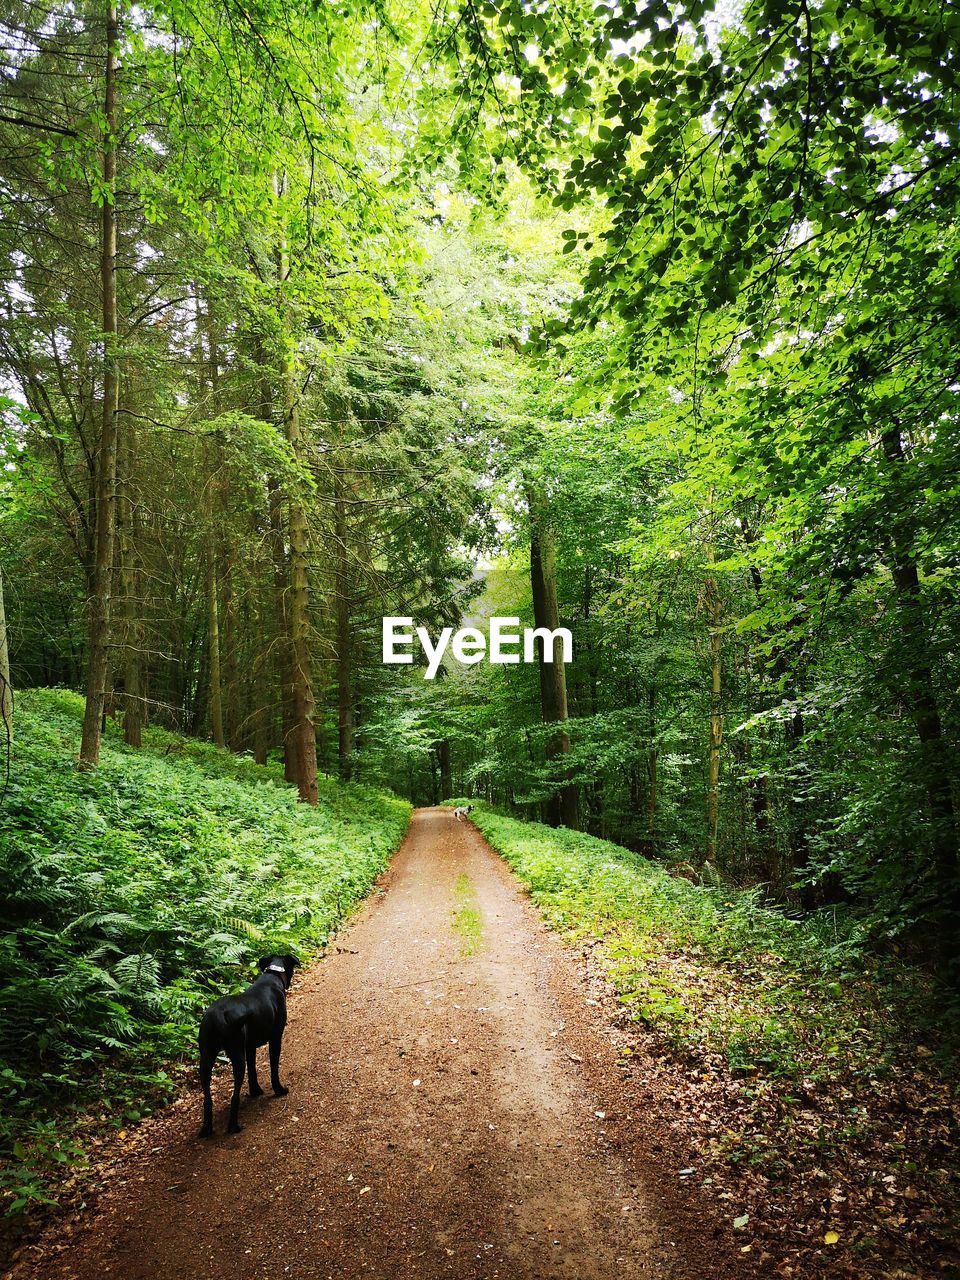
131	896
467	921
719	971
794	1058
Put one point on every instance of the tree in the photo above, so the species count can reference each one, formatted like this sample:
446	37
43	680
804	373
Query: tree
6	687
563	806
104	519
659	343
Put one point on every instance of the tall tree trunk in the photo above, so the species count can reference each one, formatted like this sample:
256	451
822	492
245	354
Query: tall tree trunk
759	805
303	700
261	710
6	688
785	673
208	360
918	691
794	730
213	623
129	592
235	727
342	589
594	795
653	762
304	704
443	761
714	616
98	650
563	806
278	556
291	765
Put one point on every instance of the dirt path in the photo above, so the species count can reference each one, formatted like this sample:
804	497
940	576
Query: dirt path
455	1110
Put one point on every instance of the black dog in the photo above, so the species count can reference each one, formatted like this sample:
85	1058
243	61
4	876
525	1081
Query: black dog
239	1025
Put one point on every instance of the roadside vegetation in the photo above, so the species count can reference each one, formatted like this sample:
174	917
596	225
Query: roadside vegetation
134	895
815	1078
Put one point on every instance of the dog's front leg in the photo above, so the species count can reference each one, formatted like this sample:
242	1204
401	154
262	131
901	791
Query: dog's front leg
238	1064
276	1042
252	1081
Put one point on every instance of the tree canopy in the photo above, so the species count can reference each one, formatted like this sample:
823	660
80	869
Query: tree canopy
641	320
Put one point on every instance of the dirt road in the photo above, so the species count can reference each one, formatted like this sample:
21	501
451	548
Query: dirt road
455	1109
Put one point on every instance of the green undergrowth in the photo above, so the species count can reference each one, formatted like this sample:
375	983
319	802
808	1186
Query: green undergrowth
467	920
131	896
715	971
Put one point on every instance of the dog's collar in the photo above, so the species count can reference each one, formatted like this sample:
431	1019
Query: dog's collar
275	968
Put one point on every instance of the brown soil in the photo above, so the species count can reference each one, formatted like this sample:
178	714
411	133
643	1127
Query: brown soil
456	1108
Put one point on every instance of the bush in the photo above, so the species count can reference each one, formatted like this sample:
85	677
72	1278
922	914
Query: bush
132	895
718	971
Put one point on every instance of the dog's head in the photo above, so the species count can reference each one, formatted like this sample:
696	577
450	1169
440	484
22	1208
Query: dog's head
283	965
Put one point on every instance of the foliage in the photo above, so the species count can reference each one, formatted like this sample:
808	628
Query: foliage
716	970
762	208
813	1085
134	896
663	296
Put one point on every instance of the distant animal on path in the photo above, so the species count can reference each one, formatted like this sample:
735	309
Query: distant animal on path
461	811
239	1025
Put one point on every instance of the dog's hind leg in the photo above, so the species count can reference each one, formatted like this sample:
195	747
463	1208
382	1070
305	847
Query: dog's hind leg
252	1081
238	1062
206	1072
276	1043
208	1043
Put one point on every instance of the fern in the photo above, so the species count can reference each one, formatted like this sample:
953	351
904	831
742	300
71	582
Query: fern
245	927
129	897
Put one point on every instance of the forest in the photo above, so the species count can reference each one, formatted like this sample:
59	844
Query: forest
640	319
